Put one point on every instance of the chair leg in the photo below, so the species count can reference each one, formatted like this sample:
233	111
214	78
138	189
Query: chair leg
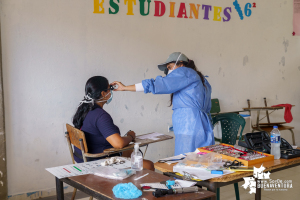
91	198
74	193
293	137
218	194
237	193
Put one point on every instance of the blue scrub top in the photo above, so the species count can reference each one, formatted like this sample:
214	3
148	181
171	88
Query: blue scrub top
191	107
97	126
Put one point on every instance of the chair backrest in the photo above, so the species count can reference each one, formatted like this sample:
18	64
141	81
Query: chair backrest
75	136
215	106
230	123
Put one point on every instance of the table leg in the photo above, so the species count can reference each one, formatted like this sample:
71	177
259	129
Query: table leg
213	188
59	189
258	194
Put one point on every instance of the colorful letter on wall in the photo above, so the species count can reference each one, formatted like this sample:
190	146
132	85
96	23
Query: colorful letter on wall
182	11
227	14
114	6
217	13
160	8
194	10
142	7
97	6
172	6
206	9
130	6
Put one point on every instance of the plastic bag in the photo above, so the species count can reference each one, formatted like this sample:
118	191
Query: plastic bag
209	160
112	173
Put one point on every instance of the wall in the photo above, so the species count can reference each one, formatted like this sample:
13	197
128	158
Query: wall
50	49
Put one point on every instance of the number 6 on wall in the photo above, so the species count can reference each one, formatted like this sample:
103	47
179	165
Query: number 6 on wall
247	10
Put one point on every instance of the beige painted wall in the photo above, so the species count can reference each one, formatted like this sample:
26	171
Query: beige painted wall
50	49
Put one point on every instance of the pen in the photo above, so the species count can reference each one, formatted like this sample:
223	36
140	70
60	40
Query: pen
141	177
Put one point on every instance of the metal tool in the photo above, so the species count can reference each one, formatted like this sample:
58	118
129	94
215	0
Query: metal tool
160	192
164	161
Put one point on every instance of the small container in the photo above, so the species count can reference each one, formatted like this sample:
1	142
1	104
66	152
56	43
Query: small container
136	158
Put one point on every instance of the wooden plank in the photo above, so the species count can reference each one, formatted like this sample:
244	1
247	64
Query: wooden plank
263	108
102	187
270	128
272	123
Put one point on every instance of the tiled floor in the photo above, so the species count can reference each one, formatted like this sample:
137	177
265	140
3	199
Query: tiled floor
227	192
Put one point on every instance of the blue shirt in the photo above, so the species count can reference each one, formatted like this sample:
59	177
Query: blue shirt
97	126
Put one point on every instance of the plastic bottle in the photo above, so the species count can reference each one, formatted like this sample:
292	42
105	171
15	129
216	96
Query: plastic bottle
275	142
136	158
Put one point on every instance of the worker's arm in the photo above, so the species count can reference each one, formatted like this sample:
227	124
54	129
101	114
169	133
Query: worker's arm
122	87
169	84
119	142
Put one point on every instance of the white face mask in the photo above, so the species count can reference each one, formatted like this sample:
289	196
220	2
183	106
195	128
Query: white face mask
110	98
169	72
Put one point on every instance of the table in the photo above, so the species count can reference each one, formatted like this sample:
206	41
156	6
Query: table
101	188
214	183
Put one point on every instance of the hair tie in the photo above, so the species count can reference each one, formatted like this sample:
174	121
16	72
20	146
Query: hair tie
87	99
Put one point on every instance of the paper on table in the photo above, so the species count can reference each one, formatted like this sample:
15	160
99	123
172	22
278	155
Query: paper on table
197	151
184	183
83	168
154	138
200	173
149	136
155	186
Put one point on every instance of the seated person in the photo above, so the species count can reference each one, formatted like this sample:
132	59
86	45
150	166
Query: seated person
100	131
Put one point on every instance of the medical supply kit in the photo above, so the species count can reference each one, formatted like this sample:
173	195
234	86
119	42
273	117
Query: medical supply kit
260	141
243	155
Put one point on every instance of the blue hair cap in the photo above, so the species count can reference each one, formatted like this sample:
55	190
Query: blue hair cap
126	191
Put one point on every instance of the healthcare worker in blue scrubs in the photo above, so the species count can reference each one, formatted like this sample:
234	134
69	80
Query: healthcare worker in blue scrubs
191	99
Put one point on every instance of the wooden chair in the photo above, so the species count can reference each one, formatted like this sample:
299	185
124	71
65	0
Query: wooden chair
231	123
268	127
76	137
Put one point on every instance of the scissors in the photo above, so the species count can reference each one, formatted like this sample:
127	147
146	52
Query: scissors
164	161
